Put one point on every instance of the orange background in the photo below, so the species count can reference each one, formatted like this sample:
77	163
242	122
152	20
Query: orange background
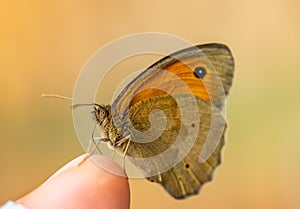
44	45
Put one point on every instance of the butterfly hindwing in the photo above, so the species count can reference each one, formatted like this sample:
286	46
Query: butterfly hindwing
189	174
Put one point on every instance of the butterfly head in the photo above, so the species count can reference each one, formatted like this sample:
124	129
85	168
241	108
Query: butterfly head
101	114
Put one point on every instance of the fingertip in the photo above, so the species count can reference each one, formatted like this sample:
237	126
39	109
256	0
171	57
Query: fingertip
85	185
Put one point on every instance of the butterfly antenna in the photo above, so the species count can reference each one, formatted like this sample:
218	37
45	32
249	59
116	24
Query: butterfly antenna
82	105
57	96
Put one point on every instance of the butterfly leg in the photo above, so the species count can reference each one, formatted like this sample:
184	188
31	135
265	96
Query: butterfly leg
93	150
124	153
113	155
89	147
120	143
96	141
127	146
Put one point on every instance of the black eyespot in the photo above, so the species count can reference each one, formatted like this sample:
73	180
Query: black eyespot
200	72
193	125
187	165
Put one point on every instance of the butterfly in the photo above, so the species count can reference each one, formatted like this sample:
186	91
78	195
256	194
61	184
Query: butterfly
170	120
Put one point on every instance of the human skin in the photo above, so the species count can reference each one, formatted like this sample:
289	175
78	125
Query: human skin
81	184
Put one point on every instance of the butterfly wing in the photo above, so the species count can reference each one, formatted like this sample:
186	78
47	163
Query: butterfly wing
179	73
185	176
204	72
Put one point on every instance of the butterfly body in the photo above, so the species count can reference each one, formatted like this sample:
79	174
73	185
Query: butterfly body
170	122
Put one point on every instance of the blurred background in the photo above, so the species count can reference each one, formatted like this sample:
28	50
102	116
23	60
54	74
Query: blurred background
44	45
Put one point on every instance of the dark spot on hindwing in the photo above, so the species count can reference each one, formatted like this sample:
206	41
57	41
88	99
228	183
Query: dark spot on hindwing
200	72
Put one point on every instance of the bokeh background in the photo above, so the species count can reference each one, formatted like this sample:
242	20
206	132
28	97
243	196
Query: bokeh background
44	45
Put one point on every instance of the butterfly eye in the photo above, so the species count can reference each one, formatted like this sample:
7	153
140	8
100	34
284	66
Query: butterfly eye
102	113
200	72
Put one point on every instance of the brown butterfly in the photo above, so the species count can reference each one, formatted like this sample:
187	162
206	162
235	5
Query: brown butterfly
169	121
